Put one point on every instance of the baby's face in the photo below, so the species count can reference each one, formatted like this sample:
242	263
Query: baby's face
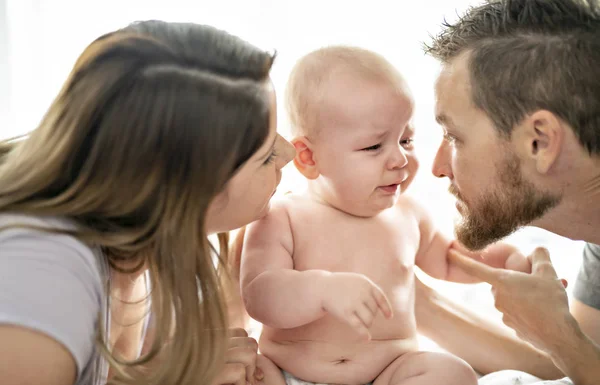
364	149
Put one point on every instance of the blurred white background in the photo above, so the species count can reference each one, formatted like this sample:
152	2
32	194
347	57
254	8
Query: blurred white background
40	40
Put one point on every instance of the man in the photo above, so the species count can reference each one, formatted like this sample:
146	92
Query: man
518	99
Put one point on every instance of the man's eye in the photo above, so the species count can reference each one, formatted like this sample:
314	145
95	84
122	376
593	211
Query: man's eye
449	138
372	148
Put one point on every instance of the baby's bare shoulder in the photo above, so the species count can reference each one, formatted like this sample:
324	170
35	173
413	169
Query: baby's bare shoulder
283	213
300	207
272	230
277	216
410	205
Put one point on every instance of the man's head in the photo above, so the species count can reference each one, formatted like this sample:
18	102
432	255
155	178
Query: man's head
518	94
350	112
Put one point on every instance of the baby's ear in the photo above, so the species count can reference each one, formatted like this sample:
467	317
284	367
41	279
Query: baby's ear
305	160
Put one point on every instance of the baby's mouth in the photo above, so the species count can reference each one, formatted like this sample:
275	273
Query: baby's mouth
392	188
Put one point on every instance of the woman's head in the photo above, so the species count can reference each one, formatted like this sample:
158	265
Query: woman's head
151	125
247	194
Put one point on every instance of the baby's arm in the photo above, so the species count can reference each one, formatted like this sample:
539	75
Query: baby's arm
281	297
273	292
499	255
238	316
435	253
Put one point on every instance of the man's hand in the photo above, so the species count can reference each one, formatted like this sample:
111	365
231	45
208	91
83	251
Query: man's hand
534	305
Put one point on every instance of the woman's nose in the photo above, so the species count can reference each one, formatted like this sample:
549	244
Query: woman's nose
288	152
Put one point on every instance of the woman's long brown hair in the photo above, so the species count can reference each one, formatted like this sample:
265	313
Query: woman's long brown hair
152	122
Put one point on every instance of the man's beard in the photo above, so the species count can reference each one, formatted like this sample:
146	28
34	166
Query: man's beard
511	204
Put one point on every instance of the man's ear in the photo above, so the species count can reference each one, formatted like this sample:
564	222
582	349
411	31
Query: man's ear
305	160
544	134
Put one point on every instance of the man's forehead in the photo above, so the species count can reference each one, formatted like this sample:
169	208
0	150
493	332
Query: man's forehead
454	74
442	88
453	83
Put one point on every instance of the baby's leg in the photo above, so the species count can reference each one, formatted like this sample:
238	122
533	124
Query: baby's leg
272	374
427	368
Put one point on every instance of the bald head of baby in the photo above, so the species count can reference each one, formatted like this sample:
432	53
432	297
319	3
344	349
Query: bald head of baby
322	83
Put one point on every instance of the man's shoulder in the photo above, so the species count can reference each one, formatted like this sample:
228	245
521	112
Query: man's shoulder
592	251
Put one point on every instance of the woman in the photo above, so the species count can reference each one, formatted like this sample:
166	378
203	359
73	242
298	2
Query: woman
163	134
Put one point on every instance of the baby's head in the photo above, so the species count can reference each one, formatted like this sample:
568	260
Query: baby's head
350	112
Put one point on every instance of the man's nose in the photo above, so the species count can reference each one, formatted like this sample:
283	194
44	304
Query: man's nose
441	164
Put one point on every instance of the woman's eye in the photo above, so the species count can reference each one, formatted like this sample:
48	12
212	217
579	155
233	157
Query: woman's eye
271	157
372	148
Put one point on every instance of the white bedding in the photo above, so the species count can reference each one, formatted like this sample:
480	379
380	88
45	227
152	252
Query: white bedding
511	377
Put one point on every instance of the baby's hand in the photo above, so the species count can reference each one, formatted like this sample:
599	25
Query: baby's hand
499	255
354	299
518	262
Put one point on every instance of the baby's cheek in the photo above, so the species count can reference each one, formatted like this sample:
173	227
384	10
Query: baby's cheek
414	163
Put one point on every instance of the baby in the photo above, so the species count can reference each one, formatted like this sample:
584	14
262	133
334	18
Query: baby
329	273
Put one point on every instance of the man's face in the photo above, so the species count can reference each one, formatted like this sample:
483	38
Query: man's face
494	199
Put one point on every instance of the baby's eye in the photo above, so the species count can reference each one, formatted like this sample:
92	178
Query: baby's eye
372	148
407	143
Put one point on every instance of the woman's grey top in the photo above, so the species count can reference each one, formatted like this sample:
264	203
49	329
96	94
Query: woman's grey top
55	284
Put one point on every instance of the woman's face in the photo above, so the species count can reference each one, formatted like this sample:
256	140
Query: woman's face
247	194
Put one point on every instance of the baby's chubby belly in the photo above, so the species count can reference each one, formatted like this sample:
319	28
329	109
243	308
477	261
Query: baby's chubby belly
337	357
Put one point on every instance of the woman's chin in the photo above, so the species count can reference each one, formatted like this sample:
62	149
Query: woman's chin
241	222
265	210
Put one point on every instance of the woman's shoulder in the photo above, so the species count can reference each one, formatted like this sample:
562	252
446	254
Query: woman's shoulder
38	234
11	221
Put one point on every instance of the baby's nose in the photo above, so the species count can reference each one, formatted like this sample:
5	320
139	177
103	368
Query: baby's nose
397	160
